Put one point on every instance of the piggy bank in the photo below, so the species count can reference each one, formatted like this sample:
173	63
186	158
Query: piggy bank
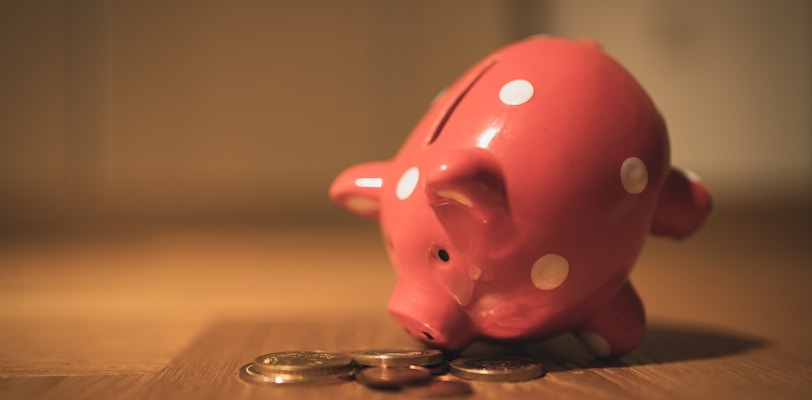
518	205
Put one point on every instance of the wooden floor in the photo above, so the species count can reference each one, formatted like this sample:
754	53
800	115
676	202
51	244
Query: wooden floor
173	312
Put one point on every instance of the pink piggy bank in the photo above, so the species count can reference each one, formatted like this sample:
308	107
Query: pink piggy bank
518	205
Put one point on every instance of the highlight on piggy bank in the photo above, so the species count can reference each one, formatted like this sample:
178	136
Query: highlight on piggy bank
518	205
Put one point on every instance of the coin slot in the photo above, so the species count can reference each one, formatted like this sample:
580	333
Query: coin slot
444	116
428	335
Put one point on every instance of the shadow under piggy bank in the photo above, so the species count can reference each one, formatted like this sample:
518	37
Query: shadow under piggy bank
664	342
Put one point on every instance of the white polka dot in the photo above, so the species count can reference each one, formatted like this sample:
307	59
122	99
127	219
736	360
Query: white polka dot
361	205
634	175
516	92
596	343
692	176
550	271
407	183
474	273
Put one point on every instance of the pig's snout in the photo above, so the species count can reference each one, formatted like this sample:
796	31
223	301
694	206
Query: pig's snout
435	320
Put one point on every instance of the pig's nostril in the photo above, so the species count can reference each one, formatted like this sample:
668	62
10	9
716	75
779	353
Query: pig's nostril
428	336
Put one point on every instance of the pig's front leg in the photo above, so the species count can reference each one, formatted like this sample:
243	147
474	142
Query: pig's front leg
617	326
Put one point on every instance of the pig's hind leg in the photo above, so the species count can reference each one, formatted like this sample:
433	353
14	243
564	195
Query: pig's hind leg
617	327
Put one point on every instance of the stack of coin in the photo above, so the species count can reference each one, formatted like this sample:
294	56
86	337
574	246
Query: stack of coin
497	369
412	370
395	377
429	358
299	367
397	368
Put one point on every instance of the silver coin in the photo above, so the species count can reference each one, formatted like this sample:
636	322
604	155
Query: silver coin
302	362
249	374
392	377
442	386
501	369
397	357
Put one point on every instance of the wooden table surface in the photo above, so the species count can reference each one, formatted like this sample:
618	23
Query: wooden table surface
172	311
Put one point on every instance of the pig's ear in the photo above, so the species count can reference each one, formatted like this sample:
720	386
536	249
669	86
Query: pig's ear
358	188
467	186
683	205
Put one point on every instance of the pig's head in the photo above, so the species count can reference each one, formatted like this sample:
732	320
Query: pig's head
443	213
521	200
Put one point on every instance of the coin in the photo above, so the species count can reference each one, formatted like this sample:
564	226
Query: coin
302	362
442	386
392	377
248	373
437	369
397	357
502	369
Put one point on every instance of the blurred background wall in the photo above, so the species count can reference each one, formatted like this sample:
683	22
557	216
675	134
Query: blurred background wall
121	110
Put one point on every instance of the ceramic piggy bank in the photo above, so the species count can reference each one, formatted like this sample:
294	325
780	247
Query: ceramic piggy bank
517	207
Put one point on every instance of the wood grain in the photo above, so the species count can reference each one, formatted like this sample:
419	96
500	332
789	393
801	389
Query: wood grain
674	360
169	312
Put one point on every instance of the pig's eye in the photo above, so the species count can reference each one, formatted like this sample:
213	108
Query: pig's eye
443	255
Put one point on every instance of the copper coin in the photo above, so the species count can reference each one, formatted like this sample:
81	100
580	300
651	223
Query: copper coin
497	369
392	377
